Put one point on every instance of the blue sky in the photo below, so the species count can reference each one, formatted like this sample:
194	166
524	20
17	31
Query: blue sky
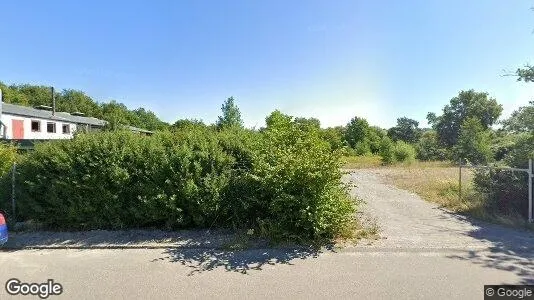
327	59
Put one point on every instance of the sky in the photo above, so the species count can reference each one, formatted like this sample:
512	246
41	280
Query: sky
331	60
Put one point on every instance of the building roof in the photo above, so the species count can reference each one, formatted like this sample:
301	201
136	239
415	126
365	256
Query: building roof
12	109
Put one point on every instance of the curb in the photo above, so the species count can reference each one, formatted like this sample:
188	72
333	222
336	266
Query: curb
140	247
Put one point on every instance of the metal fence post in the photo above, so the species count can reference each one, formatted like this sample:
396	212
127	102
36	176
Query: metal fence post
13	171
530	175
460	183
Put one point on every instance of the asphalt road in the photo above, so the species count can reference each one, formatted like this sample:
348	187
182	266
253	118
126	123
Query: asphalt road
158	274
424	253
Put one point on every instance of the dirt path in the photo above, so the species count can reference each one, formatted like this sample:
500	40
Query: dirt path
406	221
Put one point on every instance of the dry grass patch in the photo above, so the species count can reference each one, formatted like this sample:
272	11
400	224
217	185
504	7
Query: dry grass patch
362	162
435	184
375	161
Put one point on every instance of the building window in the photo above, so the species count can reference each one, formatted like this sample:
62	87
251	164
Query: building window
51	127
66	129
36	126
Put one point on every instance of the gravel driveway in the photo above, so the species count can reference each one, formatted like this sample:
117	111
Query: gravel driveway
407	222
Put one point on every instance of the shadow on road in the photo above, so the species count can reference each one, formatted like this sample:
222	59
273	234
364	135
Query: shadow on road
509	249
200	260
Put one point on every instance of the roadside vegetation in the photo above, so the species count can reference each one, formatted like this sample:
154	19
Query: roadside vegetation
282	181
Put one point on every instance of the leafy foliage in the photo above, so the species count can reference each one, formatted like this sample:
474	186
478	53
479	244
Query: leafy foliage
374	137
474	143
356	131
506	192
8	155
334	136
231	116
468	104
525	74
387	150
407	130
284	181
521	120
404	152
428	147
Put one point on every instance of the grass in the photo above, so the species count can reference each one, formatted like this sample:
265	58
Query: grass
375	161
438	183
361	162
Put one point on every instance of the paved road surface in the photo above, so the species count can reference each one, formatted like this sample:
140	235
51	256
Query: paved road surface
425	253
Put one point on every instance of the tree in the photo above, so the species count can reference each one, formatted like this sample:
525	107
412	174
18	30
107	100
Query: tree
468	104
473	143
387	150
231	117
77	101
14	96
36	95
428	147
148	120
187	124
521	120
278	121
525	74
374	137
308	123
334	136
116	114
407	130
357	131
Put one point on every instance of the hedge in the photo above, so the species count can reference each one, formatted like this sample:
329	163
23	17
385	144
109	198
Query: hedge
285	182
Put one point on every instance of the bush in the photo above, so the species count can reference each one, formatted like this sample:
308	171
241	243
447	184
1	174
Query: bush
335	137
8	155
284	181
119	180
473	143
428	147
297	179
404	152
362	148
387	150
507	192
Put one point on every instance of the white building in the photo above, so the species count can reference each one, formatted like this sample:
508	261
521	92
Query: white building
22	123
27	123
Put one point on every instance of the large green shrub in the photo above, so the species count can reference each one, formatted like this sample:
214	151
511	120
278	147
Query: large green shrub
428	147
404	152
297	178
120	180
282	180
387	150
362	148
